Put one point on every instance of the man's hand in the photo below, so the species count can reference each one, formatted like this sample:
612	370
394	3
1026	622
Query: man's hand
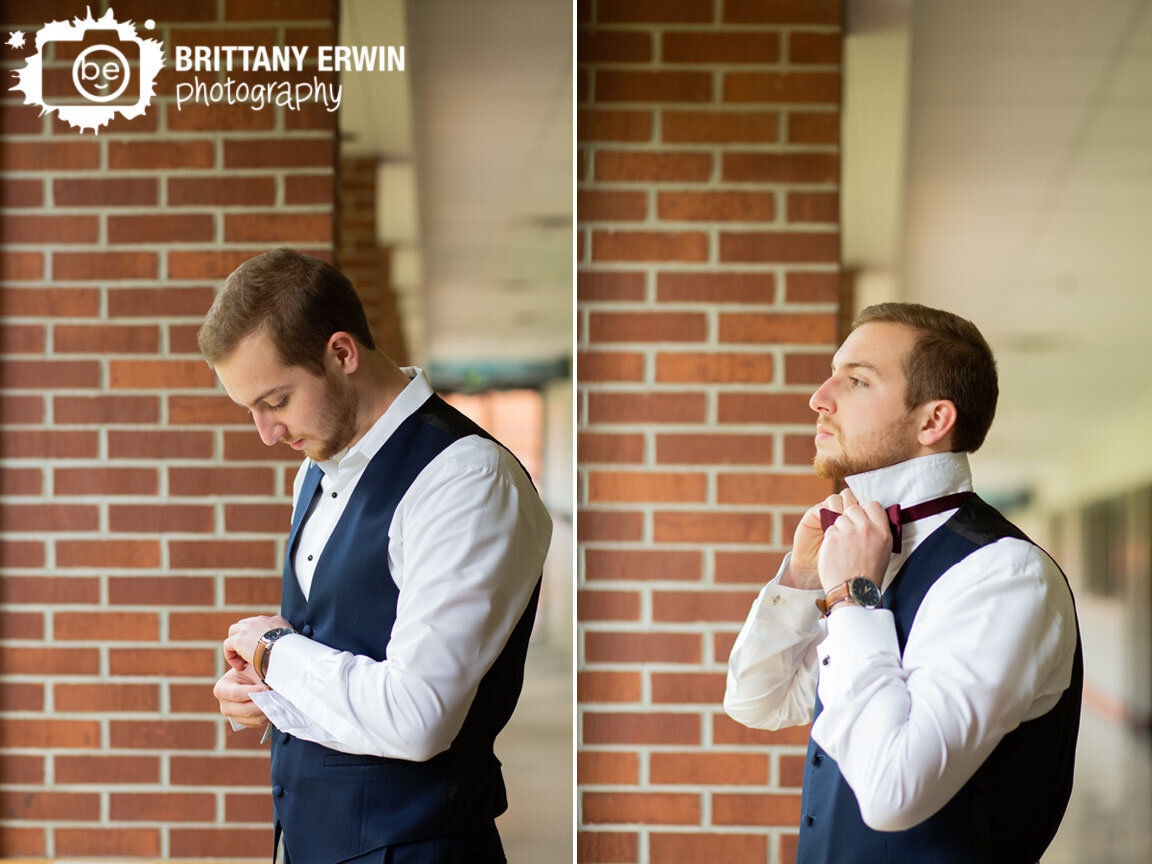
802	567
233	692
859	543
243	636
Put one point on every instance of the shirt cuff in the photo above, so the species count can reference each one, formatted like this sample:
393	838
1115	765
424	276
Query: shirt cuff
795	607
291	657
280	712
856	637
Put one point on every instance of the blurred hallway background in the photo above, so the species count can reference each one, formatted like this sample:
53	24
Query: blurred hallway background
456	204
996	164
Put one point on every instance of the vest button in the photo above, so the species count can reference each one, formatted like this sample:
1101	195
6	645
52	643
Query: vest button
277	791
810	820
817	758
307	630
285	738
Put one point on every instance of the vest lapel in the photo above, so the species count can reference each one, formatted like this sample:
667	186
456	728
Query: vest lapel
308	491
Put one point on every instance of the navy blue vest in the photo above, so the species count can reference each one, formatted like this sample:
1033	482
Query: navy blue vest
332	805
1008	812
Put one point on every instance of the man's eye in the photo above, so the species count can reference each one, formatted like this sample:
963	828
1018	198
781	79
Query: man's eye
278	405
856	382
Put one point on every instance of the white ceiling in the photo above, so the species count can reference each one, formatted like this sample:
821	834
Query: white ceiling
491	137
1027	207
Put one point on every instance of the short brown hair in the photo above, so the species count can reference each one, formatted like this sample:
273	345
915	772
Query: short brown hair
949	360
299	300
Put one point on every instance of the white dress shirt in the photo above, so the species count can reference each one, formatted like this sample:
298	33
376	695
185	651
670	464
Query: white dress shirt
465	547
990	647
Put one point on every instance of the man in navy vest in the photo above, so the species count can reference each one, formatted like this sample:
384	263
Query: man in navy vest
934	645
411	578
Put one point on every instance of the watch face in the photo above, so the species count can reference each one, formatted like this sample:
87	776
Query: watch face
864	592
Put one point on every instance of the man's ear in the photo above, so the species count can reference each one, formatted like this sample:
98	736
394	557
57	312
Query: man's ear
938	419
344	352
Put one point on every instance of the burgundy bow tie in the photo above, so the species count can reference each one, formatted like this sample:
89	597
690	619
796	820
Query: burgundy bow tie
897	516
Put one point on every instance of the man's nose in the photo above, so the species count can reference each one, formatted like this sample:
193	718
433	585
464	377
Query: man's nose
270	430
821	400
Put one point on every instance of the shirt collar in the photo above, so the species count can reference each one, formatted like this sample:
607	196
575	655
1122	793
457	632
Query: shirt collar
403	406
913	481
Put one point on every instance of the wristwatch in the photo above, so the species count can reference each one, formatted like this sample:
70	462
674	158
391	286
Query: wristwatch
858	591
264	649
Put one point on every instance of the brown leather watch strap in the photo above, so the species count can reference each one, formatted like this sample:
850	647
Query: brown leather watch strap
836	595
259	656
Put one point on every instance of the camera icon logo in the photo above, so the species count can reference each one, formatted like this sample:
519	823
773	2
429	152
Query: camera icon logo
113	71
93	68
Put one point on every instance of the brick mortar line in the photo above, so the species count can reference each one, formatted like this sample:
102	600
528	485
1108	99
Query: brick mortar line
703	269
680	708
704	548
709	105
651	587
704	306
712	104
103	822
736	224
706	67
158	135
175	172
731	428
689	507
104	212
616	546
142	246
701	789
715	470
719	26
134	463
695	348
741	749
658	146
74	678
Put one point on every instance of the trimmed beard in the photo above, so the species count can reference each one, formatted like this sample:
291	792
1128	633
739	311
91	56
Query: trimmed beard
876	450
343	406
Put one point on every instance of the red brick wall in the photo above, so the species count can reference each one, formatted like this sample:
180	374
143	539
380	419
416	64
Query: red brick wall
141	514
708	234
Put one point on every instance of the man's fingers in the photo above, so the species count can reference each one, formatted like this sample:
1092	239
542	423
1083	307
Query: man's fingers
834	503
235	691
236	685
235	660
237	626
241	624
848	497
250	722
877	514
